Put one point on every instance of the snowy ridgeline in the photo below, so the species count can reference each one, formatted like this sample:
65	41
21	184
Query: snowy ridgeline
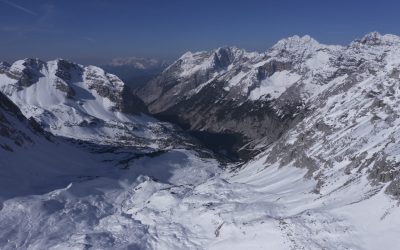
123	180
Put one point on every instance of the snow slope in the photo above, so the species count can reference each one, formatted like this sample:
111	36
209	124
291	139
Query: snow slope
57	195
32	161
257	207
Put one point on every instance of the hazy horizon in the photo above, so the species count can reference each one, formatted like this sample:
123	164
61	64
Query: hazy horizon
95	32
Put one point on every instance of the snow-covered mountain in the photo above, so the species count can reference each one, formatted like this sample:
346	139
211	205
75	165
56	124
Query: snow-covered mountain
262	95
321	123
311	105
80	102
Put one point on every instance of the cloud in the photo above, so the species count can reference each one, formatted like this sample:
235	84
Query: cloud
19	7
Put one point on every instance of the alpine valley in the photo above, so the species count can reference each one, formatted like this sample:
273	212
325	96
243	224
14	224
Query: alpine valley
297	147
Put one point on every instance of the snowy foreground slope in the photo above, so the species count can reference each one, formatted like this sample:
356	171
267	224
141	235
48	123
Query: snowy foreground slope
328	180
196	206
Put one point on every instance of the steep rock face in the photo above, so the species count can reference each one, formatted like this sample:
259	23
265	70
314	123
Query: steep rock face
9	115
111	87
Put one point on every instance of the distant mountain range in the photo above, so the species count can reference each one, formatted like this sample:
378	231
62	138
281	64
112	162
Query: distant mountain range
135	71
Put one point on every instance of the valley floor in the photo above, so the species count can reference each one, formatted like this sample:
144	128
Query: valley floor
194	204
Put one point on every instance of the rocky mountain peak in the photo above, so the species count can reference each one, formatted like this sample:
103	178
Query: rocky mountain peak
65	69
231	51
111	87
372	38
298	48
376	39
224	56
297	43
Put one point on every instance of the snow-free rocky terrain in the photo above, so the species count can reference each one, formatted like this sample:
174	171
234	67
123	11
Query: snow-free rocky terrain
84	165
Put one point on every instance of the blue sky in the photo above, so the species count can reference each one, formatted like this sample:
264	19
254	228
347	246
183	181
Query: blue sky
94	31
